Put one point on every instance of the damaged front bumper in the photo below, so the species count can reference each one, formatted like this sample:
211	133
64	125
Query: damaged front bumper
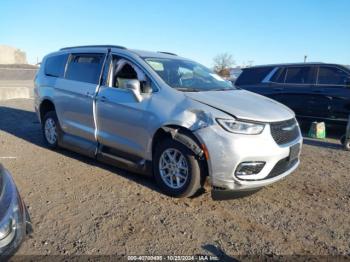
227	151
14	218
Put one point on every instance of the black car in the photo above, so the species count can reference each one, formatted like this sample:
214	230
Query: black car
14	218
314	91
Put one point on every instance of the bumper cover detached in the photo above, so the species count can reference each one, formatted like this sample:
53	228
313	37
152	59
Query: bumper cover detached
281	170
228	151
14	218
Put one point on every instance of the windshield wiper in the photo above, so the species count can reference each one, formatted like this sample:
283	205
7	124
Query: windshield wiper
223	89
187	89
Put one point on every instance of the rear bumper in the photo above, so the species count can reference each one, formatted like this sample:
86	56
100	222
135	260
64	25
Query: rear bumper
15	214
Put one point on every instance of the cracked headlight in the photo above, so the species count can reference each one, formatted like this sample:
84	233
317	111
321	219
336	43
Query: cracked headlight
241	127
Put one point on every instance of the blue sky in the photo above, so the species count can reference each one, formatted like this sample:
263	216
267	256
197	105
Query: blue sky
263	31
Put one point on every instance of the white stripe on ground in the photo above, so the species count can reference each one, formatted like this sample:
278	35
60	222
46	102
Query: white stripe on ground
8	157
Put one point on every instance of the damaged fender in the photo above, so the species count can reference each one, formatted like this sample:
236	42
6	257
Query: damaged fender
185	140
193	120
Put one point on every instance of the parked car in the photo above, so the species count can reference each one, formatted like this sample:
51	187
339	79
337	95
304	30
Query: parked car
14	218
314	91
154	111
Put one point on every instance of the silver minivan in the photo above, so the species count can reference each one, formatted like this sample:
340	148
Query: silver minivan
160	114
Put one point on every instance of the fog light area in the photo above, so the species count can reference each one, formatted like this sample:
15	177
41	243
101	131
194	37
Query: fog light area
249	168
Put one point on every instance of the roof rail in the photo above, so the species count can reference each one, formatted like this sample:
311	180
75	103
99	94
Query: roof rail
167	53
92	46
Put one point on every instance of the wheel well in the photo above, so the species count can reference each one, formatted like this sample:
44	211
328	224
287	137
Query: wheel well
161	134
46	106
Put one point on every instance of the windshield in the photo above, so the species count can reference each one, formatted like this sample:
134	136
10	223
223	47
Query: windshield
188	76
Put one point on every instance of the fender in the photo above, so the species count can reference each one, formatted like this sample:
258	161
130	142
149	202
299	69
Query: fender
185	140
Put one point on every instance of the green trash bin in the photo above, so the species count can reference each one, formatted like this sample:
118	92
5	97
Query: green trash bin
317	130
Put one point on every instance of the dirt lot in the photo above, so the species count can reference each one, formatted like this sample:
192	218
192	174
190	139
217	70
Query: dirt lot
79	206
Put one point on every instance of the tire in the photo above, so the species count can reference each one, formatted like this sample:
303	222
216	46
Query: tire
182	187
343	139
50	119
347	145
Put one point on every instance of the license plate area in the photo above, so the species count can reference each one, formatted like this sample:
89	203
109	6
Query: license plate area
294	152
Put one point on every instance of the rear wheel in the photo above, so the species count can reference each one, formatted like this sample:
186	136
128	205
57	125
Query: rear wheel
176	169
51	129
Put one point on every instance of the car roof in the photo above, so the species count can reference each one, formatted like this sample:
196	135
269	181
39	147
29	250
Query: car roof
159	54
294	64
141	53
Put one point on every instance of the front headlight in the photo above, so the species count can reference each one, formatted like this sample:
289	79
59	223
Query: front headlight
240	127
12	222
1	180
5	230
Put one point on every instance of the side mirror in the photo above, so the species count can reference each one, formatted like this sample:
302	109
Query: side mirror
146	87
134	86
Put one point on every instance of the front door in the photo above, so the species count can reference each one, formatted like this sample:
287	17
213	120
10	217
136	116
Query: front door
274	85
122	120
297	91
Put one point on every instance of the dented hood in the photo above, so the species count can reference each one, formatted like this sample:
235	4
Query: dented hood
244	105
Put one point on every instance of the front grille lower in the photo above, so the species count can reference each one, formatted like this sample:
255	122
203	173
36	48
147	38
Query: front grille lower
285	131
281	167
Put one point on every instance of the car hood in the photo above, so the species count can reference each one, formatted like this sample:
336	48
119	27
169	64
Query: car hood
244	105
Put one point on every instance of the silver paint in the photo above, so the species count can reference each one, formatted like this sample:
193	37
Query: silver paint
129	124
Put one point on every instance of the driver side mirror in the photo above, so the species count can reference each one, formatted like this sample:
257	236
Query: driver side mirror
146	87
135	87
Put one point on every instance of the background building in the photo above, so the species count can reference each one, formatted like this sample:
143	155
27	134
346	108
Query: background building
12	55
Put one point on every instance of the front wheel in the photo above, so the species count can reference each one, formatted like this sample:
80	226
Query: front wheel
347	144
176	169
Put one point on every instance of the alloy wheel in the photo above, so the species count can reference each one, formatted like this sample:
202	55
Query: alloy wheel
173	168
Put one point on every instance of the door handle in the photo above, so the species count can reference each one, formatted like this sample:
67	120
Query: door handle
91	95
278	88
317	91
103	99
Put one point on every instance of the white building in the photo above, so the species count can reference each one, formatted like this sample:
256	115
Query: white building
12	55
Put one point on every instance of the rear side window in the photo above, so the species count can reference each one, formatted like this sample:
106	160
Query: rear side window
332	76
251	76
279	76
55	65
301	75
85	67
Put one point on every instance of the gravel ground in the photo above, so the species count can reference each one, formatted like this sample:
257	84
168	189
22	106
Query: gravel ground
79	206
